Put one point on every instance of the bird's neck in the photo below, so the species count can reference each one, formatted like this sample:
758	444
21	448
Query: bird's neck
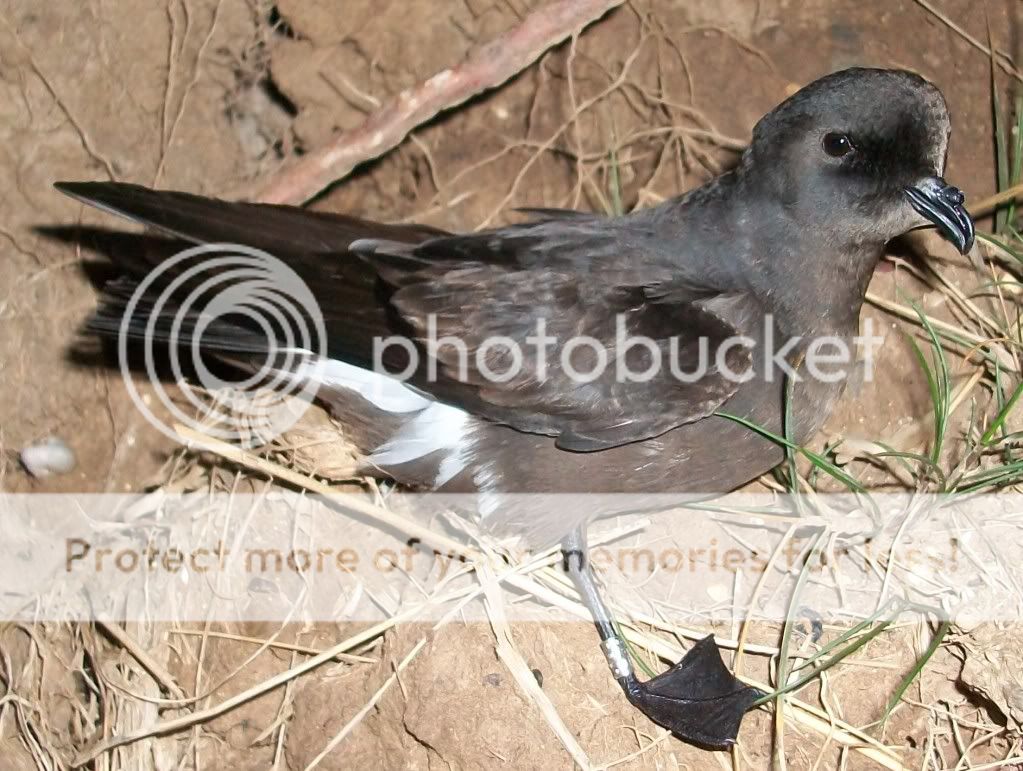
813	275
815	284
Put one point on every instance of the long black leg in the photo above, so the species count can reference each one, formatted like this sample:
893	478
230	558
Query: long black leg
576	561
698	699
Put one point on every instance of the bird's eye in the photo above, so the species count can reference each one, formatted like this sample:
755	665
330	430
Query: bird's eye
836	145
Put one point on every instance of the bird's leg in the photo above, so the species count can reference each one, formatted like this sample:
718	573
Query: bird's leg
698	699
575	556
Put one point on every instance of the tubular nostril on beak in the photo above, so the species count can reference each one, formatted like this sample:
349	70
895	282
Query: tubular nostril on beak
942	205
954	196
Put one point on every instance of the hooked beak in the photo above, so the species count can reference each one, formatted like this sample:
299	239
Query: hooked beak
942	204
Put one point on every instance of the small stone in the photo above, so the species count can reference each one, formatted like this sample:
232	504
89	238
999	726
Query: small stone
48	457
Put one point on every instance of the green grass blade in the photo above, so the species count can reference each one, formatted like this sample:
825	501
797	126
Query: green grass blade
939	381
913	673
1017	157
932	388
999	476
998	424
1001	152
819	461
903	457
852	632
633	653
1001	244
795	685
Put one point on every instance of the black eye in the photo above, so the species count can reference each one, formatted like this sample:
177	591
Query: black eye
836	145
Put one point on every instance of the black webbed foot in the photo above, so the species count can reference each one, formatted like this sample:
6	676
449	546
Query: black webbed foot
698	699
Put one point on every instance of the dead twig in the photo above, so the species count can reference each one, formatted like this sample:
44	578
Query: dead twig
1002	60
486	67
989	204
143	657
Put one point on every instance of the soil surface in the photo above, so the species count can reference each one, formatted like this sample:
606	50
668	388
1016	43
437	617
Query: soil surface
211	96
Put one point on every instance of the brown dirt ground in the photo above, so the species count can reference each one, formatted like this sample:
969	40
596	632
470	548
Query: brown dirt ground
209	96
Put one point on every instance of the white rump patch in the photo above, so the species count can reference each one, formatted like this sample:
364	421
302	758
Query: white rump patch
430	427
382	391
438	427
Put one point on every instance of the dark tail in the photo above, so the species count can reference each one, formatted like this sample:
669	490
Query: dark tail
314	245
279	230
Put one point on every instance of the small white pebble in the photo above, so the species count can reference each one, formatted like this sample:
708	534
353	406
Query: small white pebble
48	457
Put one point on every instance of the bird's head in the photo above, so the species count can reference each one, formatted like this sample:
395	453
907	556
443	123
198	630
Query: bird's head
861	153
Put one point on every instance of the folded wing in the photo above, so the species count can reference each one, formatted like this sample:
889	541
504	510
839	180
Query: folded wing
567	326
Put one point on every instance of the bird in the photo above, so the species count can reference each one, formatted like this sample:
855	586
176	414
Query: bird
768	256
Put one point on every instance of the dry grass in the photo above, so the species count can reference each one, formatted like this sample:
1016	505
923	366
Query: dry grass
126	709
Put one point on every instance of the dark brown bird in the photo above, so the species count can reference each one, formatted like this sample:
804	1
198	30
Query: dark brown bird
777	252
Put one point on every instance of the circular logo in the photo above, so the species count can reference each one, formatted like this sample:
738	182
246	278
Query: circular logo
239	305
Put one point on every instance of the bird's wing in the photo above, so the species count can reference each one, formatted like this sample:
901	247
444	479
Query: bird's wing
582	274
624	360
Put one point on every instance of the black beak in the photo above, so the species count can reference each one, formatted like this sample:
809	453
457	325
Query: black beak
942	204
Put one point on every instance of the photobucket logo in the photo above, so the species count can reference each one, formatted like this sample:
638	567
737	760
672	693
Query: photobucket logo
243	305
629	358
